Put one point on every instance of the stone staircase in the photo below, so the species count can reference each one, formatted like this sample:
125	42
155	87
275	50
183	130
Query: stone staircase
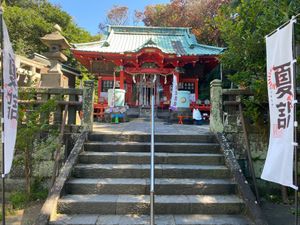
110	183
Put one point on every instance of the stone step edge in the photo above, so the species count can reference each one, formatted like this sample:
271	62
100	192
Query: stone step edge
143	154
147	166
159	199
146	181
116	143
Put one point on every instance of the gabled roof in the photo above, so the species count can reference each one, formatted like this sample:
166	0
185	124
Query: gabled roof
130	39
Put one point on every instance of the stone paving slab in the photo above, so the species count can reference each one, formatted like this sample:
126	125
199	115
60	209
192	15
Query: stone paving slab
200	219
144	127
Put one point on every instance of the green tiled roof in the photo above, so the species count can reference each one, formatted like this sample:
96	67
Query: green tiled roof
127	39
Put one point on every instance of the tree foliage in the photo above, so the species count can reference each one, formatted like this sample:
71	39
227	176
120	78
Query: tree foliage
199	15
117	15
28	20
33	121
243	27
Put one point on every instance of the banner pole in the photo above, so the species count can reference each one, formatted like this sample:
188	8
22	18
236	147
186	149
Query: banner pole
2	119
295	126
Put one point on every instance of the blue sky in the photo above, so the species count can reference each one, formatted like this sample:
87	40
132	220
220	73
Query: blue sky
89	13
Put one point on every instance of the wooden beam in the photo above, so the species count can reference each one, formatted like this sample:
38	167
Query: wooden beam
149	70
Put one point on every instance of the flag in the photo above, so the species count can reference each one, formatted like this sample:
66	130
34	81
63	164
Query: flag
10	99
174	94
278	167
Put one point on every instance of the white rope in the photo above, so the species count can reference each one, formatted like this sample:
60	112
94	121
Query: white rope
154	78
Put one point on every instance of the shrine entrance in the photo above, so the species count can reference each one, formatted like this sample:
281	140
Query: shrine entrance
145	86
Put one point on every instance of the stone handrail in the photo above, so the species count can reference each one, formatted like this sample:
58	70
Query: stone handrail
63	97
49	208
252	208
53	91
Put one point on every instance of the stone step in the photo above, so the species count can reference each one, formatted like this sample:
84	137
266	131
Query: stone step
100	137
143	171
144	158
145	147
141	186
134	219
139	204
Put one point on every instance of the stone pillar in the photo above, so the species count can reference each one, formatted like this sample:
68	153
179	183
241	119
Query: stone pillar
88	105
216	123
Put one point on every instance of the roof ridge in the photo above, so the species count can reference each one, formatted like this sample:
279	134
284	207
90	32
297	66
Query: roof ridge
88	43
150	27
209	46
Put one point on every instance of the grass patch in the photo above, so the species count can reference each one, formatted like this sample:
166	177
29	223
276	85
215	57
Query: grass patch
18	199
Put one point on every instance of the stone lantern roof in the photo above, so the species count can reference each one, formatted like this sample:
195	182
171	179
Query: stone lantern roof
56	43
57	39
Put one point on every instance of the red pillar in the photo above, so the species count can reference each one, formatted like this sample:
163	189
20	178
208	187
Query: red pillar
196	90
99	87
122	76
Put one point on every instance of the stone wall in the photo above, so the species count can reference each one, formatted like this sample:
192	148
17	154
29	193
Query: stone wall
226	118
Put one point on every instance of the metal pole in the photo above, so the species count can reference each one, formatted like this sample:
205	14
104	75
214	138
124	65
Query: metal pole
152	164
295	130
2	121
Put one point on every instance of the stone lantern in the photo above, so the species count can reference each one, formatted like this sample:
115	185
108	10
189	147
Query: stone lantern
56	44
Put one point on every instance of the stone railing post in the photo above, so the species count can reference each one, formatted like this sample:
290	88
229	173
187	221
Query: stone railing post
216	123
88	105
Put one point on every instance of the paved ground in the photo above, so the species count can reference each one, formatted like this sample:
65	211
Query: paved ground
26	216
276	214
144	127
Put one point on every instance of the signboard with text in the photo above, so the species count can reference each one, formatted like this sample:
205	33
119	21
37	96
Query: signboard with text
280	76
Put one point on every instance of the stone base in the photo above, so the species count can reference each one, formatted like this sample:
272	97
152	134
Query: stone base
54	80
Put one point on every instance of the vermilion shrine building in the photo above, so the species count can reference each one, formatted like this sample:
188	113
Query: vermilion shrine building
136	54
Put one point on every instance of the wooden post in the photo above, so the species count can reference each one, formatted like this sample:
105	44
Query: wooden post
196	89
87	105
99	87
122	75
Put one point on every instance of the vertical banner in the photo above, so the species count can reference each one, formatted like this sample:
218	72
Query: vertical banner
174	93
278	167
10	99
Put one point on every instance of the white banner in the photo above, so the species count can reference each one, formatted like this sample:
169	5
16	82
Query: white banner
10	100
173	105
280	72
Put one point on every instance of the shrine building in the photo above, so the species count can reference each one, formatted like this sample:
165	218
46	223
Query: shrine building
142	59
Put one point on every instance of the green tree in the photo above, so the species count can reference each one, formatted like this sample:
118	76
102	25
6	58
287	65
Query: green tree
243	27
33	121
28	20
